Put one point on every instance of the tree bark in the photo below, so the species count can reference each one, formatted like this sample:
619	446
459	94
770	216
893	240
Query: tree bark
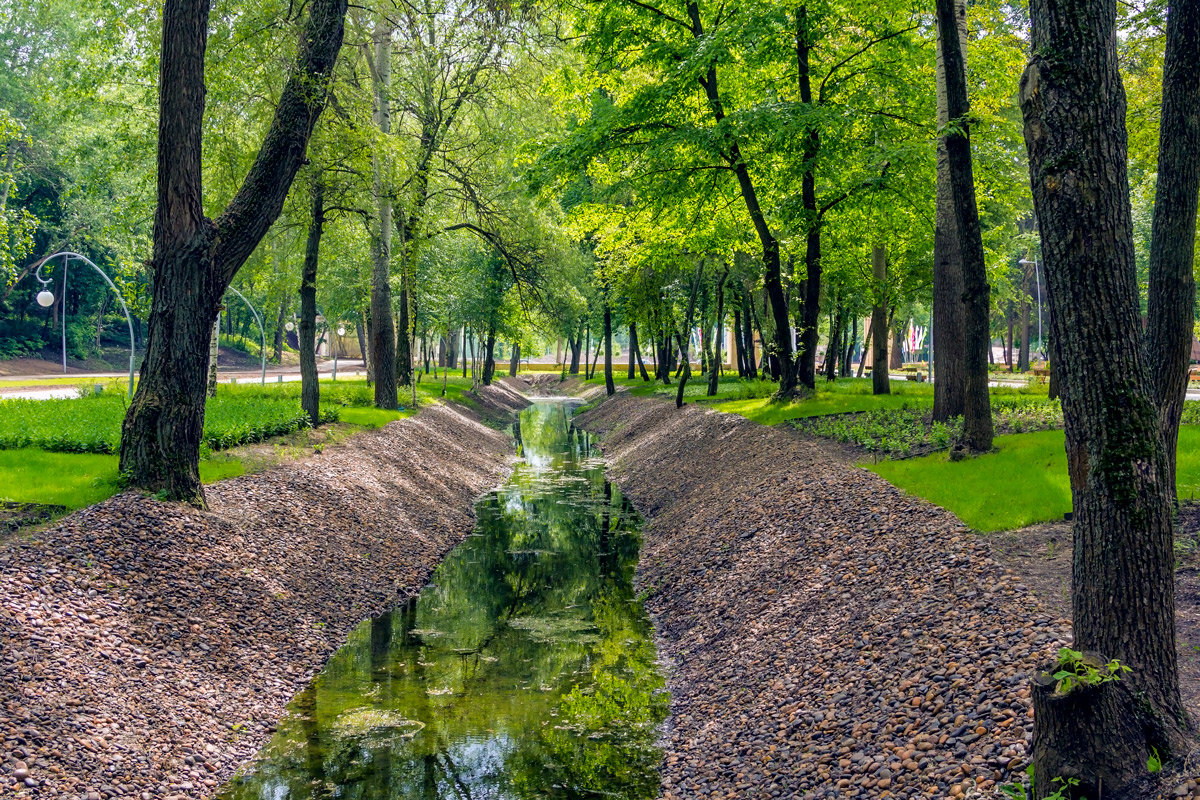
632	348
609	387
514	363
1172	292
195	258
949	313
310	387
896	356
383	330
277	343
977	410
1023	323
489	357
810	146
880	382
714	364
772	277
684	339
1073	104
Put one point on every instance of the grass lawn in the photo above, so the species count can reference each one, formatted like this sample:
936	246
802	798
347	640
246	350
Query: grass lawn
1023	482
76	480
370	417
843	396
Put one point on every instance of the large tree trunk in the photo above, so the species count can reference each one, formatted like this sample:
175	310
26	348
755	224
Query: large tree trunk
810	145
949	313
310	387
514	363
195	258
977	410
1172	294
1073	104
880	383
383	331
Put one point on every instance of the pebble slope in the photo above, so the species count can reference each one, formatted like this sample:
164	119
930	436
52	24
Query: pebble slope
146	649
827	635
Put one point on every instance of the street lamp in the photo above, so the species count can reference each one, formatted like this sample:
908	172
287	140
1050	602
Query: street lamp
341	331
261	333
1038	280
45	299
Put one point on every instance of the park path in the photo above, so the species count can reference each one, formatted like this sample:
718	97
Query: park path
827	635
147	649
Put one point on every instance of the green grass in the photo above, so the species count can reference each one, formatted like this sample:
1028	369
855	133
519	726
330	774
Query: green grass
1022	483
93	424
76	480
729	387
371	417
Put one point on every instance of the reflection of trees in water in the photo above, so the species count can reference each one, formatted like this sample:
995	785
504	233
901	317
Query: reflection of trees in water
527	660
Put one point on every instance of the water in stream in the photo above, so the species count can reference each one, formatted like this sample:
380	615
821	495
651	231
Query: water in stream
525	670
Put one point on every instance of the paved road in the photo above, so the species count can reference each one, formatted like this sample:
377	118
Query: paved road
346	368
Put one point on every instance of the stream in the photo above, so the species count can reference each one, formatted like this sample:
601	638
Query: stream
525	669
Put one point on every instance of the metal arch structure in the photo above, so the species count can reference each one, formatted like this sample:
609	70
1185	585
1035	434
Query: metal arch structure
67	257
261	332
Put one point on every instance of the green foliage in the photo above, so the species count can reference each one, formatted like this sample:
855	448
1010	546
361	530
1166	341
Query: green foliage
1074	670
1020	791
902	432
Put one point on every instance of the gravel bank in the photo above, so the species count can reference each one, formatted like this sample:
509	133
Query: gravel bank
826	635
146	649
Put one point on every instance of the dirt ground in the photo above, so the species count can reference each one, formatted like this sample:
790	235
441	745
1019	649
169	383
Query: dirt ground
1041	556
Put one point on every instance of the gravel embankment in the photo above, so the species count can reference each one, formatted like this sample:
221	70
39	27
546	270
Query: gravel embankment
826	636
147	649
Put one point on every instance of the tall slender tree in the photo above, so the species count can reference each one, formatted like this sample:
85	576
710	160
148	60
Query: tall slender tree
1171	303
977	411
194	257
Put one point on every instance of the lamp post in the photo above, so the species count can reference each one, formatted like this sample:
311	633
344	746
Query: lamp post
262	334
341	331
45	299
1037	279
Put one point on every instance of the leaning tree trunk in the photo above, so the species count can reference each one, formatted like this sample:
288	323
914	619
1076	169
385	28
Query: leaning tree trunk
880	381
949	313
1172	296
1073	104
896	356
310	387
977	410
195	258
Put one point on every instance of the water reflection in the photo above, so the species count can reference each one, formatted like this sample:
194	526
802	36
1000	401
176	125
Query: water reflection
525	670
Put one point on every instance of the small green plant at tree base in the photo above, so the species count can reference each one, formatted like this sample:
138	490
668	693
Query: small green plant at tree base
1154	762
1074	670
1019	791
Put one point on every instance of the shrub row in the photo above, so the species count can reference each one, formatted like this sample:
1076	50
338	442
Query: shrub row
93	424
